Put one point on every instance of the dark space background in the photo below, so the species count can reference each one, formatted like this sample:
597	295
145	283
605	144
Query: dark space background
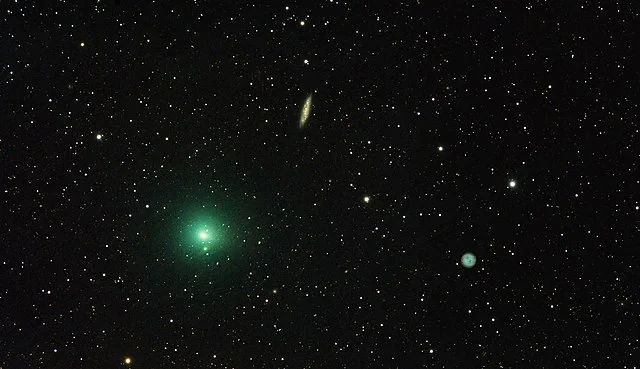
505	130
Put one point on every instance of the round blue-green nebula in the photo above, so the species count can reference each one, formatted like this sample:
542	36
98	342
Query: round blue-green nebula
468	260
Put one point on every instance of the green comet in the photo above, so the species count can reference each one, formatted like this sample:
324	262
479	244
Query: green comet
203	232
207	234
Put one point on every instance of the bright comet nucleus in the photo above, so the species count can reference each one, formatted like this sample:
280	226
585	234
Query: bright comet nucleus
202	234
305	112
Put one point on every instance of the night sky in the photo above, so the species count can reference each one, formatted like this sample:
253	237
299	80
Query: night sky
164	203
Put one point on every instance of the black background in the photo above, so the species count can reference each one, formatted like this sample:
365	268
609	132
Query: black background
198	108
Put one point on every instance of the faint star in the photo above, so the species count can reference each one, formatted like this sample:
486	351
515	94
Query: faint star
366	199
440	148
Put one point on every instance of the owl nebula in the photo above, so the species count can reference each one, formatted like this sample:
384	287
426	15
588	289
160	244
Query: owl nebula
468	260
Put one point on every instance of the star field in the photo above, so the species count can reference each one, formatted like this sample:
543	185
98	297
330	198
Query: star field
318	185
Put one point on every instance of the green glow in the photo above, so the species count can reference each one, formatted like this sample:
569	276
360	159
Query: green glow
203	233
468	260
